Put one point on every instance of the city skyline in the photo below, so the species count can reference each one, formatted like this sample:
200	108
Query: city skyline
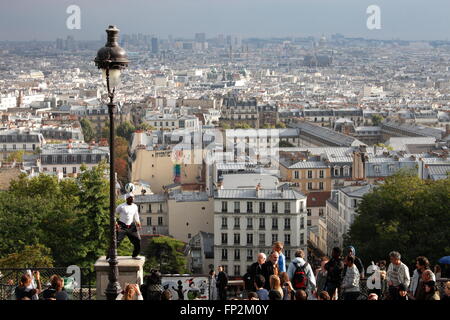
248	18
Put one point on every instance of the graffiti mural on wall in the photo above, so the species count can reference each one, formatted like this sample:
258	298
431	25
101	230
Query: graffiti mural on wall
187	287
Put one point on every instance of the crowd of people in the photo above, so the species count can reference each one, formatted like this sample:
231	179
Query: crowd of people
30	288
338	277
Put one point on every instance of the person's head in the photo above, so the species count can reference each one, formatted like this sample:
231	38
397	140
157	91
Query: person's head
323	295
447	288
180	283
323	262
56	282
166	295
350	251
261	258
252	296
430	286
275	283
284	277
382	264
372	296
422	263
274	295
260	281
437	269
129	292
220	268
349	261
427	275
25	280
402	290
130	198
336	252
301	295
274	257
395	257
300	254
277	246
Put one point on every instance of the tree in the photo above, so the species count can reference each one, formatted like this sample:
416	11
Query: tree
285	144
145	126
377	119
166	255
31	256
125	129
267	126
15	156
225	126
405	214
242	125
280	125
88	130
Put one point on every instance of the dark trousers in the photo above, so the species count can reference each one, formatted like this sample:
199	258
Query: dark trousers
331	289
133	235
351	295
222	293
393	293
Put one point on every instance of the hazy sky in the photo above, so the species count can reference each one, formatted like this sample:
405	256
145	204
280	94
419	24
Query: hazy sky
404	19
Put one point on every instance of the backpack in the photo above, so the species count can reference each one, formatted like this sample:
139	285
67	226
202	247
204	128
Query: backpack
300	279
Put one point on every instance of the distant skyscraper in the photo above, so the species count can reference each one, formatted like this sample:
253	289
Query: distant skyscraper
59	44
155	47
200	37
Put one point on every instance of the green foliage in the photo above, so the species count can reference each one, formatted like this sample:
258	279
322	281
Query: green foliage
280	125
285	144
30	256
267	126
377	119
15	156
145	126
69	217
405	214
88	130
225	126
242	125
165	254
125	130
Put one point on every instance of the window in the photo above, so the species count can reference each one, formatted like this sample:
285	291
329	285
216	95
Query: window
296	175
302	222
274	207
287	224
160	221
224	238
310	185
237	254
355	203
288	254
346	171
224	254
225	268
24	147
249	207
310	174
262	207
320	185
160	210
321	175
336	171
274	237
249	238
237	223
302	238
237	270
189	236
74	169
262	239
150	208
308	212
262	224
309	223
274	224
287	239
224	206
237	238
64	170
237	207
376	169
249	223
224	223
287	207
14	147
321	212
149	221
249	254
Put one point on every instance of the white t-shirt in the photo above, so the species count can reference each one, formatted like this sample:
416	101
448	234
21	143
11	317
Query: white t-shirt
128	213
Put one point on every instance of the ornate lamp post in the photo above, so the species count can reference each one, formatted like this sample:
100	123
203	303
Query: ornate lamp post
111	59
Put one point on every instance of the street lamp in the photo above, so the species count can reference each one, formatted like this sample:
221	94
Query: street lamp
111	59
